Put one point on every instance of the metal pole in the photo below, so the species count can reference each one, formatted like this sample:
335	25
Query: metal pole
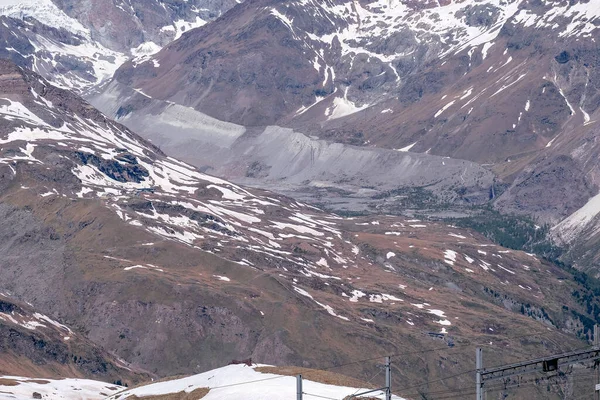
478	366
388	378
597	365
299	387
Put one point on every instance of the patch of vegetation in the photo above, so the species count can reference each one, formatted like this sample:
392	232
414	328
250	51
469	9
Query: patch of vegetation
351	213
511	231
521	233
589	297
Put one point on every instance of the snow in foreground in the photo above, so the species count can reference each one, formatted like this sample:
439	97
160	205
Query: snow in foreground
228	383
51	389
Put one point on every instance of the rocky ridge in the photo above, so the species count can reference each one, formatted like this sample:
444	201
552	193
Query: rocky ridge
34	344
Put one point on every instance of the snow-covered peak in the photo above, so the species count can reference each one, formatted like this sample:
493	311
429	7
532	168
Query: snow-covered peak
46	12
56	46
79	47
387	40
567	18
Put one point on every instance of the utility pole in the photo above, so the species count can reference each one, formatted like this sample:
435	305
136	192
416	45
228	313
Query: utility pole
299	387
479	367
388	383
597	364
388	378
539	365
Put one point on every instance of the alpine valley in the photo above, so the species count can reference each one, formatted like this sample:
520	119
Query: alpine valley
312	185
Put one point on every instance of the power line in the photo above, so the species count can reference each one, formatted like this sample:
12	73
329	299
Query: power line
456	396
451	391
459	392
440	392
399	355
534	383
573	350
499	386
436	380
248	382
461	346
544	364
368	382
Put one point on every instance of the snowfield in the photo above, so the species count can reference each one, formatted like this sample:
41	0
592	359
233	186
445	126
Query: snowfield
235	382
20	388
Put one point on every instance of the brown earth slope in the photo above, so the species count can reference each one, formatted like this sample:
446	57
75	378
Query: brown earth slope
178	272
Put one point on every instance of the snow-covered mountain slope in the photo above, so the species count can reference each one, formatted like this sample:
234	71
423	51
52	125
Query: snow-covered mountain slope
145	188
242	381
39	36
511	85
336	57
79	45
21	388
580	234
481	82
125	25
177	271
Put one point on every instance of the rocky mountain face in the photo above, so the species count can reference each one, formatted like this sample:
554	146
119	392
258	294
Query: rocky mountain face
92	216
509	85
367	105
68	56
79	44
342	57
32	344
124	25
390	74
